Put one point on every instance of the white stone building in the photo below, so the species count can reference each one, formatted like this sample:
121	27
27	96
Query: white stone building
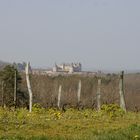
69	68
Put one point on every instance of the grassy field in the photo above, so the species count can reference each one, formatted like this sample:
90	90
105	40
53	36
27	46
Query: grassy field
111	123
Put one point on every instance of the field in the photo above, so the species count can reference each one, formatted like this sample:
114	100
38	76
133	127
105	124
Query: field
111	123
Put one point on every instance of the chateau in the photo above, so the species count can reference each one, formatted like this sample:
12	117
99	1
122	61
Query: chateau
69	68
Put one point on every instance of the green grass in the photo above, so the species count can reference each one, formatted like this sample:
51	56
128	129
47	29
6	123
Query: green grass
109	124
130	133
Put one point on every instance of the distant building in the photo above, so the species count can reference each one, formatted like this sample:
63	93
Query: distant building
69	68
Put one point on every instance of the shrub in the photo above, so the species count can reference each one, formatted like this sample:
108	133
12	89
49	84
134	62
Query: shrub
37	108
112	110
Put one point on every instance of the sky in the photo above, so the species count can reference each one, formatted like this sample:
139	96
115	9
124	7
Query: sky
101	34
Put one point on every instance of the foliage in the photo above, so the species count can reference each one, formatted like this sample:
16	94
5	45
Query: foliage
113	110
7	77
37	108
71	124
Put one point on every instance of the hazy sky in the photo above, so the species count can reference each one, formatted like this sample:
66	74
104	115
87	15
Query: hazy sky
101	34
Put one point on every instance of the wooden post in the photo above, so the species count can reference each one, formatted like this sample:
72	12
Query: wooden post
59	96
29	87
79	91
15	89
99	95
121	87
2	90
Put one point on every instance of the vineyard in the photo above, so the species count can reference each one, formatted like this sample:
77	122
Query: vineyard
69	107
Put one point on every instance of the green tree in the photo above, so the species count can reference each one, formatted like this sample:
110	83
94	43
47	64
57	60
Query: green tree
7	76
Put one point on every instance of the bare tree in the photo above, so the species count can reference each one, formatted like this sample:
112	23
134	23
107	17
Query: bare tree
29	87
2	94
121	86
79	91
15	89
59	96
99	95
